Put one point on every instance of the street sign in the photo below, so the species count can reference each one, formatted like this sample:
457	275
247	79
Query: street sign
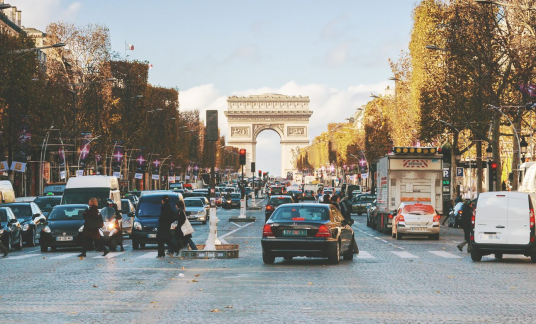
446	173
446	182
459	172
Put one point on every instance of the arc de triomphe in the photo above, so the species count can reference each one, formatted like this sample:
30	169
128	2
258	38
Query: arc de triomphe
288	116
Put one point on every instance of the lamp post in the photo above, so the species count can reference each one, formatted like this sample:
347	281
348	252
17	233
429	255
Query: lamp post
489	156
458	155
523	145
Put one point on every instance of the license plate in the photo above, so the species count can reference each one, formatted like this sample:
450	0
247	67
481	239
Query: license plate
152	235
64	238
418	229
294	232
490	237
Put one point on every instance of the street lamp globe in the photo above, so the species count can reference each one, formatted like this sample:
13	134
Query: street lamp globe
523	145
489	152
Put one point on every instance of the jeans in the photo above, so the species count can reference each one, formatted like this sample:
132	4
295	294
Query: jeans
162	247
188	241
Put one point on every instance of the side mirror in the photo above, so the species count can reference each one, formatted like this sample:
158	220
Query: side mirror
35	216
13	221
131	214
43	221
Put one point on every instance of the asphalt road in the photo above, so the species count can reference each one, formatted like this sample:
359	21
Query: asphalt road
415	280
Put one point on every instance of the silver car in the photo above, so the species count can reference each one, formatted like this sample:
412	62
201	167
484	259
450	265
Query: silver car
127	212
416	219
195	210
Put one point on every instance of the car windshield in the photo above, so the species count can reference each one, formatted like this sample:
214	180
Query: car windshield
3	215
125	207
67	213
235	195
193	203
151	206
296	213
280	201
82	196
418	209
366	198
46	204
22	212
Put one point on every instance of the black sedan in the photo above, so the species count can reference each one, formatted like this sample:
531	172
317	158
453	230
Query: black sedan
310	230
274	202
63	227
31	220
231	201
297	195
10	231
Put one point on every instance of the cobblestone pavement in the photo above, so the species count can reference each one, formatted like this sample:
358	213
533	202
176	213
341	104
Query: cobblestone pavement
415	280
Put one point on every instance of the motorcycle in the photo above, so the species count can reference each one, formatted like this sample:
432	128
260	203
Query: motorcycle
112	231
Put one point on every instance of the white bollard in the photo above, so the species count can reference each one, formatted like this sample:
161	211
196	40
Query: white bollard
253	198
242	208
211	243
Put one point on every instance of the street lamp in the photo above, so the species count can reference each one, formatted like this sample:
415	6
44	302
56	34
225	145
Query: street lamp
523	145
489	152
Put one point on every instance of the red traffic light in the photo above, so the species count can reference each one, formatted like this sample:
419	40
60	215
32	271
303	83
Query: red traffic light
242	157
494	165
260	173
242	151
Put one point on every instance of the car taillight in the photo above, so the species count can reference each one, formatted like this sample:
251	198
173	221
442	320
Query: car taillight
267	230
401	218
268	207
531	218
323	231
437	218
473	218
390	216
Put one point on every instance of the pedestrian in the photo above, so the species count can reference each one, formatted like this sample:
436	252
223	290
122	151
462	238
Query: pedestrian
163	233
458	199
448	207
110	203
467	213
503	186
345	207
3	248
326	199
93	222
184	227
335	201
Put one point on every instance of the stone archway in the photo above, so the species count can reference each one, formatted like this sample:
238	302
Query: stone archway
288	116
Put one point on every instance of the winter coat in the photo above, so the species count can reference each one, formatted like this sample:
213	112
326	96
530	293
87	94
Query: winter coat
346	209
467	214
92	223
167	217
181	214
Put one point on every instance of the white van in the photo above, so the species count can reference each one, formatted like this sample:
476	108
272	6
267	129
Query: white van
7	194
503	223
80	189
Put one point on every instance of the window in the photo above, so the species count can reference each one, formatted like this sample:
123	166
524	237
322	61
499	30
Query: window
22	212
82	196
67	213
151	206
3	216
193	203
418	209
280	201
46	204
288	213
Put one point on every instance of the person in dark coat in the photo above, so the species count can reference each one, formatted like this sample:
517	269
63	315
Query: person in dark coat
346	211
325	199
3	248
186	240
335	201
467	214
163	233
93	222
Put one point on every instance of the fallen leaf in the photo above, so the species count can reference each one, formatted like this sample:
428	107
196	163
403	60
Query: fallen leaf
309	283
112	291
170	262
44	258
450	276
197	275
95	286
81	258
153	302
215	310
438	292
229	307
201	289
193	280
183	268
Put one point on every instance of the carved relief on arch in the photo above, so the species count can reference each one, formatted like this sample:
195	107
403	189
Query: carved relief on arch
240	132
296	131
278	128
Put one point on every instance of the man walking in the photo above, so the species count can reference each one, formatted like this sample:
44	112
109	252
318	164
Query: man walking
93	222
467	213
3	248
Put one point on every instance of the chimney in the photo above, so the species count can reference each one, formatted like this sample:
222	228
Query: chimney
18	18
13	14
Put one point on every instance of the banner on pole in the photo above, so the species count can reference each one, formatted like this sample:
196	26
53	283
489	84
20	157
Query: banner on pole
138	176
4	166
18	166
117	174
155	177
79	173
63	175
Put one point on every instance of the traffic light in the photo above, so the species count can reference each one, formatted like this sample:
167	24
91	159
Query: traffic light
242	156
492	175
260	173
446	151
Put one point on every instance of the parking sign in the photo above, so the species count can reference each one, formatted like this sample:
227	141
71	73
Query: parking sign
459	172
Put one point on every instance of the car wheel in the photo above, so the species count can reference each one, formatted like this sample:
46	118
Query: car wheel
477	256
335	255
19	245
135	245
398	235
434	236
268	258
44	248
113	244
368	222
498	256
31	242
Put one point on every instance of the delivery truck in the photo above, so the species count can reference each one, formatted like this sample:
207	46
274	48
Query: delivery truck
408	175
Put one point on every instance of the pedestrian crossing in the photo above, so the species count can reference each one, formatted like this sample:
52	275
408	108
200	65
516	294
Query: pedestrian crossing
365	255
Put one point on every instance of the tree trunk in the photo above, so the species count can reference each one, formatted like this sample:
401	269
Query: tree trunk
478	166
515	151
495	144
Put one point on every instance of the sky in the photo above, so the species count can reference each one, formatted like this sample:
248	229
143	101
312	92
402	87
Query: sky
336	52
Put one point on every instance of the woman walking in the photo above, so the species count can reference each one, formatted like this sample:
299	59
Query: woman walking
163	233
184	228
93	222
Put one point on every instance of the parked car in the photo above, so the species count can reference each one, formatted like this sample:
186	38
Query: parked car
456	218
360	203
146	220
310	230
127	212
416	218
274	202
31	220
195	210
10	229
133	199
503	223
64	227
46	203
231	201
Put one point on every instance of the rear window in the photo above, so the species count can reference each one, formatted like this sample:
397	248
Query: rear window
418	209
235	195
280	201
125	207
295	213
46	204
193	203
21	211
366	198
68	213
151	206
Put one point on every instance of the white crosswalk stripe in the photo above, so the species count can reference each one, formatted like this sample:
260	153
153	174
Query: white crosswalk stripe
404	255
64	256
447	255
365	255
149	255
24	256
110	255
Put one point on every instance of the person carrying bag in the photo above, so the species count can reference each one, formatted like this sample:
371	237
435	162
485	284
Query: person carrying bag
185	226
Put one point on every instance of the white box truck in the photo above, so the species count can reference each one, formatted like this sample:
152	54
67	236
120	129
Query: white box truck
407	178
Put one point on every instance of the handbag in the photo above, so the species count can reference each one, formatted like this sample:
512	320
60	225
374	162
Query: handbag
187	228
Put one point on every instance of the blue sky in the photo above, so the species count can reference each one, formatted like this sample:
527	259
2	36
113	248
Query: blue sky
334	51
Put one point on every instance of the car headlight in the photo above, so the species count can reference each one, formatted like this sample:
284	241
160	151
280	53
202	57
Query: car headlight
137	226
174	225
1	231
111	225
25	227
46	229
228	201
201	212
81	229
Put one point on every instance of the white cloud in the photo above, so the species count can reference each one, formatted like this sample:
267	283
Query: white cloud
39	13
328	105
